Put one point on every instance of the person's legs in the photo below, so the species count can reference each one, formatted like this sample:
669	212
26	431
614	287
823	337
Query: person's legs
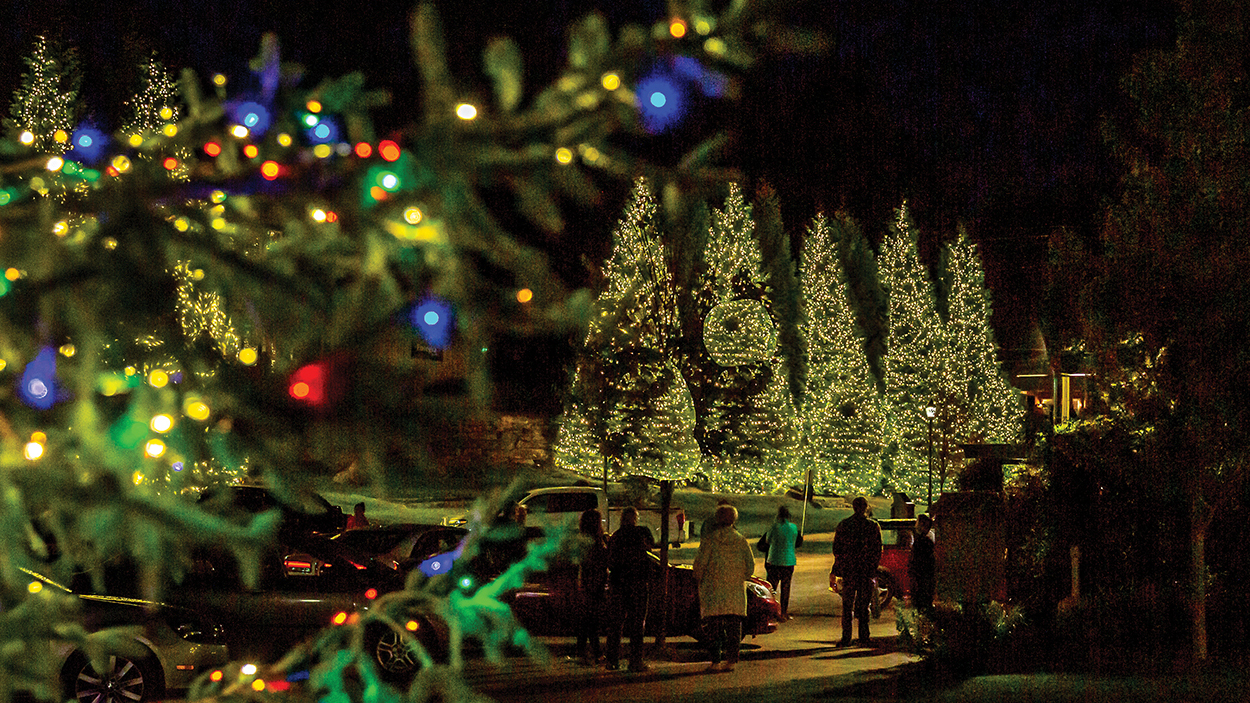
637	623
712	628
863	600
786	575
848	607
733	635
616	622
773	575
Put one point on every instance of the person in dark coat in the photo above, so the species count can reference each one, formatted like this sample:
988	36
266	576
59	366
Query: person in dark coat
923	565
629	577
592	581
856	554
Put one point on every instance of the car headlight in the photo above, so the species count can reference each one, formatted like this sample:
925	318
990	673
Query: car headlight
759	591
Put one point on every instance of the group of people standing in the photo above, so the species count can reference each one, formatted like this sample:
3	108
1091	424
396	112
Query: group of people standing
619	561
723	564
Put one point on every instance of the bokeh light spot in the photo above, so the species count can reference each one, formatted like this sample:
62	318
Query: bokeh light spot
248	356
466	112
388	150
524	295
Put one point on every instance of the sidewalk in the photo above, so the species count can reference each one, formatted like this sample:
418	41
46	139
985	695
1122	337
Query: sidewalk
801	655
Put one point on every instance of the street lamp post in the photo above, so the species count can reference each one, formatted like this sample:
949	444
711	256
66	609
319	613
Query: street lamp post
930	412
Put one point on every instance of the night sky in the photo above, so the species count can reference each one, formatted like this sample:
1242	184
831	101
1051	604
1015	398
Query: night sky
986	113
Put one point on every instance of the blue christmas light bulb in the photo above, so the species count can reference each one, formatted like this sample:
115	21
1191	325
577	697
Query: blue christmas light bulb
37	386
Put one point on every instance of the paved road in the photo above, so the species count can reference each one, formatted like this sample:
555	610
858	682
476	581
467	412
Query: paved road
801	658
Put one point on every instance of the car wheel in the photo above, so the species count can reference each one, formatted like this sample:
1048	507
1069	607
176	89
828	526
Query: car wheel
396	661
124	680
886	591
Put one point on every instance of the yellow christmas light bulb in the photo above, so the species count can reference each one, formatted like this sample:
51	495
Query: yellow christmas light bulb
135	140
219	79
26	137
169	130
158	378
413	215
564	155
313	106
323	151
60	136
466	112
154	448
33	450
137	478
166	113
34	587
284	139
55	163
239	131
161	423
247	355
68	350
248	669
196	410
610	80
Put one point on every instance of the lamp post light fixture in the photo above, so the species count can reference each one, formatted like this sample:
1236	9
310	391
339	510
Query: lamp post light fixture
930	412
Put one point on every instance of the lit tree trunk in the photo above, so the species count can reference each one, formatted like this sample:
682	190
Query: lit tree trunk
1200	522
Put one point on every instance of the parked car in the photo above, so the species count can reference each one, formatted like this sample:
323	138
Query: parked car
177	644
403	545
302	512
892	580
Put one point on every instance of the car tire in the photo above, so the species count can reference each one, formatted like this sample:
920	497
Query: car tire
390	651
887	591
126	680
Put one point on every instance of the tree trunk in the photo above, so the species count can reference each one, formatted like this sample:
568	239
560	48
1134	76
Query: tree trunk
1200	520
666	506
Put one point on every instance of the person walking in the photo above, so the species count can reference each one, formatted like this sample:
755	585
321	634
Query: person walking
922	568
783	539
592	581
856	554
721	568
629	577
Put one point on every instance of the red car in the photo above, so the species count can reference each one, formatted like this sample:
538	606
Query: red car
547	604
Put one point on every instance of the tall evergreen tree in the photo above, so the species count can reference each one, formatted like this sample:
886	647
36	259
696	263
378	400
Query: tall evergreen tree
912	366
841	417
635	403
157	103
749	426
989	408
47	104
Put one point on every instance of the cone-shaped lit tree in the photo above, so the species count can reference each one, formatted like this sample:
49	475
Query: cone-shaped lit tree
841	416
988	408
913	362
629	407
750	427
47	104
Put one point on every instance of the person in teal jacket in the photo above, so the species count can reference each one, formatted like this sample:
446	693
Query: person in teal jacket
783	538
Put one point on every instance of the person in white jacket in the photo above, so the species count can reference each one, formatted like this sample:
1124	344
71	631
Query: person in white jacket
722	567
